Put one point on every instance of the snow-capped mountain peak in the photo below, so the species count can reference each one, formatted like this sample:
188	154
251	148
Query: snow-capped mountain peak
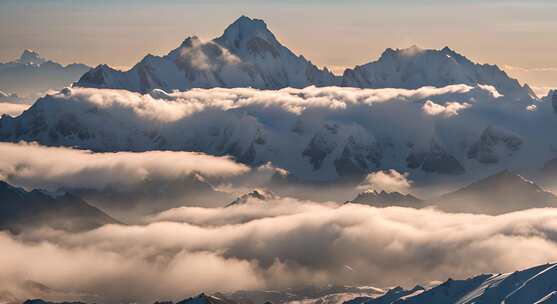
414	67
244	30
246	55
31	57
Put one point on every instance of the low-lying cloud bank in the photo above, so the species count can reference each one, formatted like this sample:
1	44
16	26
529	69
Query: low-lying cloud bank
34	166
275	244
12	109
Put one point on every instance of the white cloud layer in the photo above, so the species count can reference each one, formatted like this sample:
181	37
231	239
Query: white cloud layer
33	166
387	180
448	110
275	244
12	109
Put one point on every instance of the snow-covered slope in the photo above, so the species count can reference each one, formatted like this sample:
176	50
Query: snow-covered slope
249	55
246	55
414	68
536	285
314	133
31	74
530	286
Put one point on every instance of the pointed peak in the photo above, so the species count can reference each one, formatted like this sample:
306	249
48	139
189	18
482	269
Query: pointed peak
244	29
448	51
31	57
509	178
246	21
246	24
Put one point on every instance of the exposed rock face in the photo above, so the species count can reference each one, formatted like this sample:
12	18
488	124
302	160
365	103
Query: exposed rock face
387	199
493	143
435	160
321	145
257	194
553	95
358	157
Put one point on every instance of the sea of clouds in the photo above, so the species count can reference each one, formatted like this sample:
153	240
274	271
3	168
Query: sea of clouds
274	244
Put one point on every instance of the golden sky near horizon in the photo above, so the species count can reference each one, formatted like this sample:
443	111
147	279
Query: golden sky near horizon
519	36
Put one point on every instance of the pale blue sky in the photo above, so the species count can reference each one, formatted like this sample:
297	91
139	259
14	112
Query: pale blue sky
332	33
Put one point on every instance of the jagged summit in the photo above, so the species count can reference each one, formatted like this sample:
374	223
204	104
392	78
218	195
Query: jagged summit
248	54
31	57
245	28
257	194
415	67
31	74
385	199
191	41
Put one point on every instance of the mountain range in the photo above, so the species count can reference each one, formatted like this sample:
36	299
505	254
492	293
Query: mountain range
316	134
449	116
20	210
32	75
248	54
535	285
499	193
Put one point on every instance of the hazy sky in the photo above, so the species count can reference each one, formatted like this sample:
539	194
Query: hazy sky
520	36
